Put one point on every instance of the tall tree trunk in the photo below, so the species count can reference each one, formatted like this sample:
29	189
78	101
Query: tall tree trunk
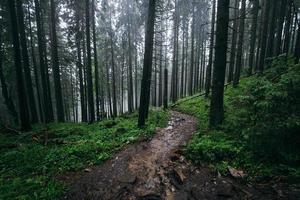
211	50
264	36
147	68
280	23
108	85
89	66
216	115
78	37
297	46
160	83
136	79
174	80
22	97
47	104
182	59
114	96
34	64
130	84
26	65
253	35
7	98
239	58
192	54
186	62
55	67
233	43
273	18
95	61
287	34
166	88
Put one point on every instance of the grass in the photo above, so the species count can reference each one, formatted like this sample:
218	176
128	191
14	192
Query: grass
28	167
260	133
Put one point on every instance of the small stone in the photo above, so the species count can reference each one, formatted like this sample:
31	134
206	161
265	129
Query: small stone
236	173
87	170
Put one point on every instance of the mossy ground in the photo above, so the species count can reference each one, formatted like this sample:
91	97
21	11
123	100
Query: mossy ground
261	131
28	167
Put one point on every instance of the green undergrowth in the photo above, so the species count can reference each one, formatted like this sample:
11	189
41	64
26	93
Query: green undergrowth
261	131
28	167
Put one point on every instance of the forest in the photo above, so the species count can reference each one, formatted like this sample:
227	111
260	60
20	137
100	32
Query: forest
149	99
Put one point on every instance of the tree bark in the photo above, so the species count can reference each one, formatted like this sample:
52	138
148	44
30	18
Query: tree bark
211	50
146	79
7	98
233	43
22	97
78	37
216	115
89	65
26	65
264	37
253	35
95	62
47	104
192	53
55	67
238	67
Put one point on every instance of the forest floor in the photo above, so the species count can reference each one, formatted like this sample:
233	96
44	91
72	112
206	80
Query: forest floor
156	169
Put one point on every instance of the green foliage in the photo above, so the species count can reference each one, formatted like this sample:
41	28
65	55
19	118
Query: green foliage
28	167
262	125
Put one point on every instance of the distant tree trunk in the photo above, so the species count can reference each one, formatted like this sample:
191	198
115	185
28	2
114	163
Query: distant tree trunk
192	54
130	83
166	88
147	68
47	104
233	43
34	64
216	115
182	60
253	35
155	77
108	85
211	50
264	36
55	67
203	67
122	78
238	67
114	96
95	61
174	81
287	34
272	27
89	66
79	64
297	46
22	98
280	23
7	98
160	89
186	62
26	65
136	80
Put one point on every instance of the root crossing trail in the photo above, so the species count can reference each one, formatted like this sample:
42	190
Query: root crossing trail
156	170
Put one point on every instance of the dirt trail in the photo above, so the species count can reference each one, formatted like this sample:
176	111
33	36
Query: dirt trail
155	170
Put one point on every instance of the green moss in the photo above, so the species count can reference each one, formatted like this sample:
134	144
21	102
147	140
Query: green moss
28	167
260	133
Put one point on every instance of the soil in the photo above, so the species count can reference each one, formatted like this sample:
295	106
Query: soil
157	170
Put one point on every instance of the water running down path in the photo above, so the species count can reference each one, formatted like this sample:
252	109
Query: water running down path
155	169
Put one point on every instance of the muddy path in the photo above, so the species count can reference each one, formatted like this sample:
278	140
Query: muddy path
156	170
